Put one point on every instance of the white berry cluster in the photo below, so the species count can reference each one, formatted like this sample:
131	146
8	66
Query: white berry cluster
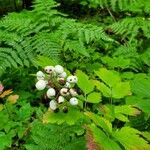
60	87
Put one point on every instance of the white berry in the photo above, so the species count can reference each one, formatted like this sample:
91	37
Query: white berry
67	85
40	85
73	101
49	69
51	92
64	92
72	79
40	75
73	92
61	99
59	69
53	105
62	75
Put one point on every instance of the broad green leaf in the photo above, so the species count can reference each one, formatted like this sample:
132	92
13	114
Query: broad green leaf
146	135
121	89
127	110
120	112
122	117
104	142
144	105
107	76
141	103
130	139
106	91
70	118
84	83
141	86
113	86
94	97
100	121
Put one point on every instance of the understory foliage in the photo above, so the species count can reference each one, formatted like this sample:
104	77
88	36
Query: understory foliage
105	43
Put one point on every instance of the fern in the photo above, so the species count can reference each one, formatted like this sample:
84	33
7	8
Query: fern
120	5
45	31
131	26
54	137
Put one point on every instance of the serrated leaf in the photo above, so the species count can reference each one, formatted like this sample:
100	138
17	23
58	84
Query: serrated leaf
127	110
144	105
113	86
83	82
100	121
141	86
121	90
103	141
109	77
94	97
70	118
130	139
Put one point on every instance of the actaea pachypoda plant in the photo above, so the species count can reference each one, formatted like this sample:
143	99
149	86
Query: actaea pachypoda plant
60	87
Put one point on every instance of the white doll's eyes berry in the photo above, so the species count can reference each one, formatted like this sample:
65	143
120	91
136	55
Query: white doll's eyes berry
63	75
72	79
53	105
73	92
67	85
61	99
73	101
40	75
60	88
51	92
40	85
59	69
64	92
49	69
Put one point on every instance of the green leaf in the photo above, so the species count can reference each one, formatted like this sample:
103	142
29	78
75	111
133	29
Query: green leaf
5	141
25	112
45	61
144	105
120	112
141	86
146	135
70	118
103	141
116	62
84	83
93	97
141	103
130	139
100	121
113	86
121	90
109	77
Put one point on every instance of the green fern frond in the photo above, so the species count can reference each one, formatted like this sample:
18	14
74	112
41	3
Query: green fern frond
54	137
137	6
130	27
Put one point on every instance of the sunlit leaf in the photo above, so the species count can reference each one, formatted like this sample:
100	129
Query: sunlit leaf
5	93
94	97
13	99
